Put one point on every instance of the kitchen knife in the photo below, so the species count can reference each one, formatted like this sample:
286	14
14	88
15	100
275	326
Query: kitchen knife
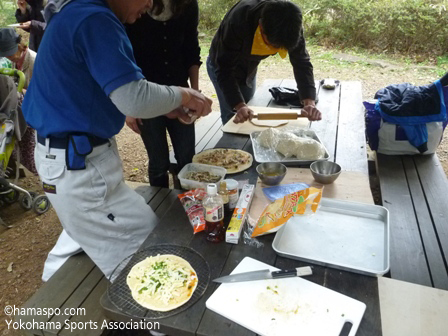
264	274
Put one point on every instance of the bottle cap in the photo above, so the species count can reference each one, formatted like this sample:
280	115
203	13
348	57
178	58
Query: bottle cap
212	189
231	184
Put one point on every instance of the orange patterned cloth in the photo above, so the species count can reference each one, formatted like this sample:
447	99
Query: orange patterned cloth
259	47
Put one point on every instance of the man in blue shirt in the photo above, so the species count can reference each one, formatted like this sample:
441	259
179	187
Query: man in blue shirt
85	83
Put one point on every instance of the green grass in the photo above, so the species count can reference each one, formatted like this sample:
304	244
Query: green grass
325	57
7	10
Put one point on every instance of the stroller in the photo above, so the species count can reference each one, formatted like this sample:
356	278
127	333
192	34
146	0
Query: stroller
12	130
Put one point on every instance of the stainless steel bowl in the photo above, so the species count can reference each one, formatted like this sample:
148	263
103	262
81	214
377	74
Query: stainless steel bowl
271	173
325	172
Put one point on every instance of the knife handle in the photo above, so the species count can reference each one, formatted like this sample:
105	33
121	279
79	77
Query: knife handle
299	271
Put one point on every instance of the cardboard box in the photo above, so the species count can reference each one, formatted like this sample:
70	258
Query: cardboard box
239	214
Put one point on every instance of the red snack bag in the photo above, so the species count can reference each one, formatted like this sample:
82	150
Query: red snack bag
192	203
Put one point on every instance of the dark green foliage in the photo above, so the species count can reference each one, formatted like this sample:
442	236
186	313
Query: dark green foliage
405	26
7	10
212	13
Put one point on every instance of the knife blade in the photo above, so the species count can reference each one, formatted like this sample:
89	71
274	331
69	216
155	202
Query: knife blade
265	274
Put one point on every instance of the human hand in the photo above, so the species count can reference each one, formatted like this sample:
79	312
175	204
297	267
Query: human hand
198	104
25	25
312	112
133	124
22	5
243	113
182	115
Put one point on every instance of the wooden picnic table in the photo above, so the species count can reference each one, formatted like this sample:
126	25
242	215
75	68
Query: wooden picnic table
342	132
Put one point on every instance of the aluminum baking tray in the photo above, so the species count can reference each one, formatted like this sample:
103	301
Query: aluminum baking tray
263	154
343	235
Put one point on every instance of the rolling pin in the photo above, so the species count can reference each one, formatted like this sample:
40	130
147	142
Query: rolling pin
280	115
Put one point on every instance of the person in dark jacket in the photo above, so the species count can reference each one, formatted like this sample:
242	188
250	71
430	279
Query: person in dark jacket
29	14
251	31
166	48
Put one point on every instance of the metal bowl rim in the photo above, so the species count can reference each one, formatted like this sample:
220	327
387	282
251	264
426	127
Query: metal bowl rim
321	174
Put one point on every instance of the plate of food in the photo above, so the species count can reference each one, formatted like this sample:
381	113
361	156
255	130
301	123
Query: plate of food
234	160
294	145
159	281
198	175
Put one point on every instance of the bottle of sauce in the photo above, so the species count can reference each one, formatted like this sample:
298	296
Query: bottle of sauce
214	214
232	188
225	197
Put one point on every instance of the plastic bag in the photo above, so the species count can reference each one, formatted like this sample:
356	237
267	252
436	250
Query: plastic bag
248	229
286	96
192	203
291	142
280	211
280	191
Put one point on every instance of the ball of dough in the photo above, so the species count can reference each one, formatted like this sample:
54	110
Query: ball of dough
268	138
287	144
309	149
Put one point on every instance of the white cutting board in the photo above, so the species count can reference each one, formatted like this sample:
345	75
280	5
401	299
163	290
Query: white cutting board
300	307
247	127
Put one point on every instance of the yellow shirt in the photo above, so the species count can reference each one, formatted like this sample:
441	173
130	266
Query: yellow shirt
259	47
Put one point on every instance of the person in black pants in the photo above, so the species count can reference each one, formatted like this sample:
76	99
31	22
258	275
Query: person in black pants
251	31
166	48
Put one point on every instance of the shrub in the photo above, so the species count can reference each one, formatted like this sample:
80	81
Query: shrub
406	26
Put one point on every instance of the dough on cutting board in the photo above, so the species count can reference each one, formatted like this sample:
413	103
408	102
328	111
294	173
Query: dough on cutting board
269	123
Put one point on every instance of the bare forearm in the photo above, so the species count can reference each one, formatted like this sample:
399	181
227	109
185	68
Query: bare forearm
193	73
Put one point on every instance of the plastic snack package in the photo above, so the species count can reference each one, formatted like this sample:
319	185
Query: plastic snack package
280	191
276	214
247	233
192	203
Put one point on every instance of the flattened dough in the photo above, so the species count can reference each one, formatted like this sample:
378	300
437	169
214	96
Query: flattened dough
269	123
162	282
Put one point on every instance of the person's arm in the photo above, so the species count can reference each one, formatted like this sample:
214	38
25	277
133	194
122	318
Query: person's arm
37	27
190	47
143	99
304	76
303	70
233	34
193	74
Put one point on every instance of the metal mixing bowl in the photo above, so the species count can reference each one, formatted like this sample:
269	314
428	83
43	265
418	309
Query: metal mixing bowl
325	172
271	173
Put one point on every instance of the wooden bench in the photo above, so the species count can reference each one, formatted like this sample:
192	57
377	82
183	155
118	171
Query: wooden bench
414	190
80	284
